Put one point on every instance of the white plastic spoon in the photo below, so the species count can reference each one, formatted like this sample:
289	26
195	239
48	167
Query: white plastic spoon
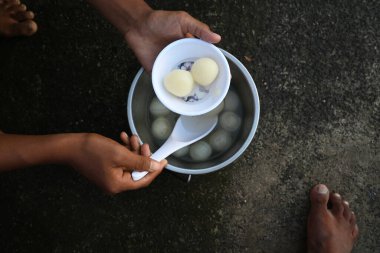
187	130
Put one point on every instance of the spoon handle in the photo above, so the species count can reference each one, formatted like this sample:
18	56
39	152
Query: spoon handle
169	147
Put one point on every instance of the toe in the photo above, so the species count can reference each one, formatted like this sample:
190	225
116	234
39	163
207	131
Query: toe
355	232
17	8
26	28
352	219
23	15
346	210
10	3
337	204
319	196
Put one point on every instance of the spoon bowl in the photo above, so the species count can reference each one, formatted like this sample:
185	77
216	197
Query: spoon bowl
187	130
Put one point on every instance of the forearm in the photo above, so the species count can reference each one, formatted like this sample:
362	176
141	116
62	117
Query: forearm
123	14
17	151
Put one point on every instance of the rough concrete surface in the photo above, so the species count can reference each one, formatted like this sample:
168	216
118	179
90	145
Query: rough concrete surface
316	65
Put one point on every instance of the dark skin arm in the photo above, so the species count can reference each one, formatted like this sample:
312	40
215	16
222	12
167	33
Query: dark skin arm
148	31
102	160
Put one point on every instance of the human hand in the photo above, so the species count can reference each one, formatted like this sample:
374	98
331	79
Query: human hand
148	37
110	164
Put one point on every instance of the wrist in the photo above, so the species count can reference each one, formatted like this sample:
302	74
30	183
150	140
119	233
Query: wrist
123	14
69	147
137	28
135	17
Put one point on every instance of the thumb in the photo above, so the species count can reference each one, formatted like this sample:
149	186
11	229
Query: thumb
143	163
198	29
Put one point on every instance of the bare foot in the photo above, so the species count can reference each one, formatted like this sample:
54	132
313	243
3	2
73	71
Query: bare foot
330	230
15	20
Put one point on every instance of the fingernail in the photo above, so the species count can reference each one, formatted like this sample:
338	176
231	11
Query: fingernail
215	34
322	189
154	166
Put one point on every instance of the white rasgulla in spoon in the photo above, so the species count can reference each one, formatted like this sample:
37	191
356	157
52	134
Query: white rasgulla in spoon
161	128
230	121
200	151
204	71
220	140
156	108
179	82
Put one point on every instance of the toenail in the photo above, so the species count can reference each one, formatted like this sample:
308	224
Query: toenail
337	195
346	202
322	189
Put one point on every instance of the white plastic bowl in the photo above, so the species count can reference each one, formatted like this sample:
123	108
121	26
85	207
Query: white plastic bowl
189	50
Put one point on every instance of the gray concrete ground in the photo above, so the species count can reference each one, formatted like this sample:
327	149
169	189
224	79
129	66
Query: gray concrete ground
316	66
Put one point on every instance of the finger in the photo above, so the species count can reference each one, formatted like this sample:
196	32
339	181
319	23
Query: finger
189	35
125	139
198	29
140	163
145	150
135	144
129	184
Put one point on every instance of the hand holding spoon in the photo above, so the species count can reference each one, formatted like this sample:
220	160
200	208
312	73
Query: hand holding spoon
187	130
